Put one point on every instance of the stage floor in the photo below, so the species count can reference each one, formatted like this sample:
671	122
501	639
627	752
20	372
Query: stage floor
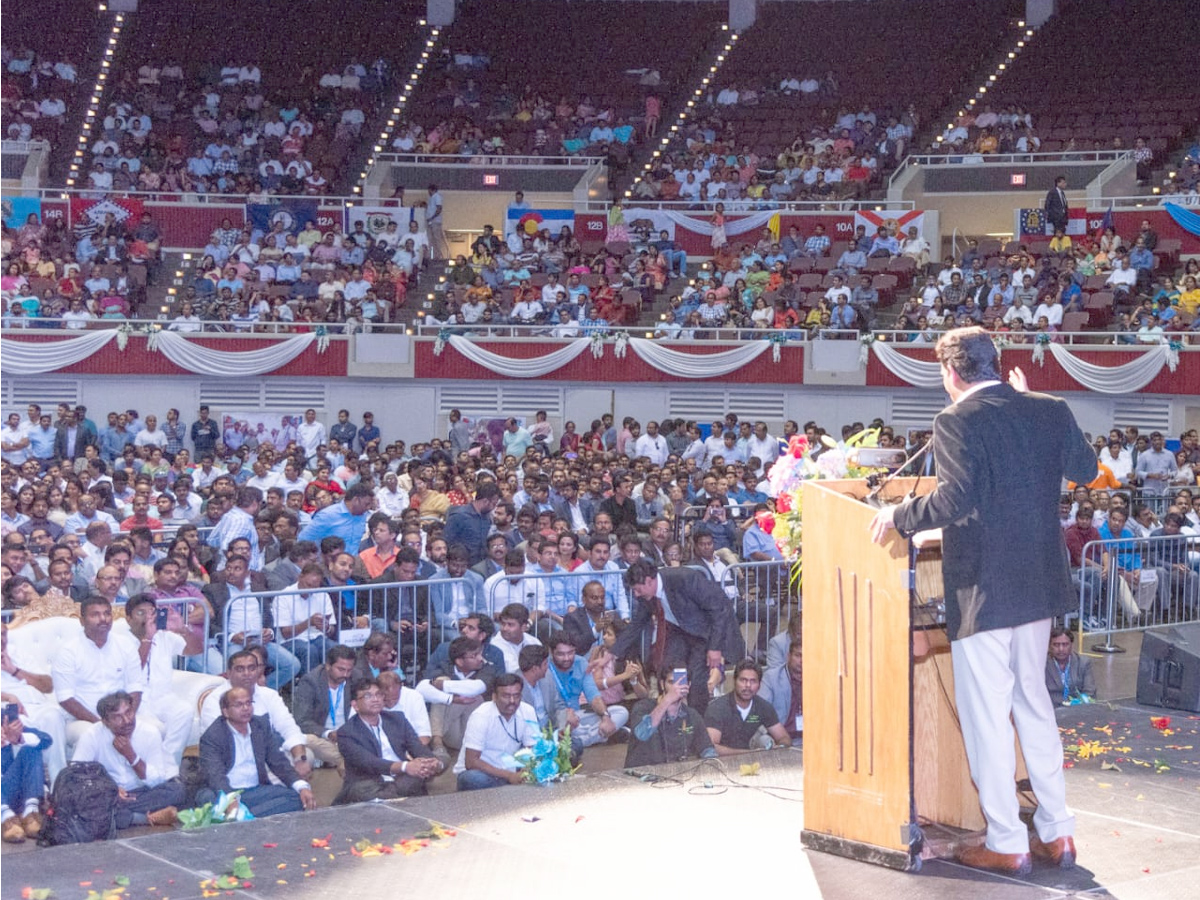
702	827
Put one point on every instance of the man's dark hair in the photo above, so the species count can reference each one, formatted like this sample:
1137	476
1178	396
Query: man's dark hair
361	686
487	490
241	654
558	636
407	555
639	571
313	569
461	646
514	558
458	553
357	490
378	641
508	679
1173	518
379	517
110	703
301	549
747	665
486	626
90	601
339	651
164	562
332	544
248	496
532	656
970	353
516	611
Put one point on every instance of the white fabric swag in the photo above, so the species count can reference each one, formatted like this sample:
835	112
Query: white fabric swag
670	362
230	363
916	372
36	358
662	217
697	365
518	368
1124	379
1128	378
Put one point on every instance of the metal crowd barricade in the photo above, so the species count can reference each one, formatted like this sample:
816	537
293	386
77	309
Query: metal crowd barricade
692	514
185	603
764	595
1140	583
424	608
554	593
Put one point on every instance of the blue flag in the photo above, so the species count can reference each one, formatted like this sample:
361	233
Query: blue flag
293	213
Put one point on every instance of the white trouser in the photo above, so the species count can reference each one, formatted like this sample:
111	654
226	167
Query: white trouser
588	731
173	716
998	673
48	718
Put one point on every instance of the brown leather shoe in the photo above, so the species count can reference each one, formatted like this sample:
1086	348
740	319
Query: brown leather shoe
1059	852
32	824
982	858
167	816
12	832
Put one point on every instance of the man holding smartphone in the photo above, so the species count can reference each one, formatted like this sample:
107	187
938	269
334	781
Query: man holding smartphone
159	635
668	729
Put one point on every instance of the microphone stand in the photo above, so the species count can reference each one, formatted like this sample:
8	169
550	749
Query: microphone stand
878	484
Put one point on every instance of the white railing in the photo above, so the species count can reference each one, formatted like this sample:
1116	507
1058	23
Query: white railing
959	157
483	159
734	206
23	147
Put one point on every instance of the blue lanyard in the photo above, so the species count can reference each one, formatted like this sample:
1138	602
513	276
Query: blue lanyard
335	703
1066	680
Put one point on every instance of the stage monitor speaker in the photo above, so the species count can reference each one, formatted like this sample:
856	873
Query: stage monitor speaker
1169	668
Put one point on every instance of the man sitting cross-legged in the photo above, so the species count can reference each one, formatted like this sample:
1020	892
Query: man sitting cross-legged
385	758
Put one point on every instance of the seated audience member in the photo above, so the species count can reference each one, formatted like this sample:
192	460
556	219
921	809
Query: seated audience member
495	731
133	754
585	624
1068	675
156	650
479	626
512	636
781	687
454	690
240	751
92	666
667	729
384	756
538	689
245	669
399	698
23	779
235	606
742	720
34	691
569	674
321	704
305	620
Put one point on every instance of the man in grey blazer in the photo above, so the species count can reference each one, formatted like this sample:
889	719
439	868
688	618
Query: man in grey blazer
1006	577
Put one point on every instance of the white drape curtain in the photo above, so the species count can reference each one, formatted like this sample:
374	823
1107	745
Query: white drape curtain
21	358
518	368
230	363
660	217
1124	379
695	365
916	372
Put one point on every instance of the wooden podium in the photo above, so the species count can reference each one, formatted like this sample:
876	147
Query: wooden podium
882	747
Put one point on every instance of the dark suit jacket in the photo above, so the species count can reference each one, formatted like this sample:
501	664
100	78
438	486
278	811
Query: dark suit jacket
362	753
1055	205
699	605
1004	555
578	626
216	754
586	506
395	603
84	437
310	701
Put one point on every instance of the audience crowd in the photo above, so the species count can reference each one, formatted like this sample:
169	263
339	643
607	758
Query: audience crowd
35	91
472	580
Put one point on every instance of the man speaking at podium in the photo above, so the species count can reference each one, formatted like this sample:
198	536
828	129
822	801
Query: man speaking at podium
1006	576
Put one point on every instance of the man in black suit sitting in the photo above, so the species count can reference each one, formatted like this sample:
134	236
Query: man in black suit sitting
236	752
585	624
385	758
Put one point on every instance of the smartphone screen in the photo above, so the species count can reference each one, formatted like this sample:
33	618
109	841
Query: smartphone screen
679	676
160	618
